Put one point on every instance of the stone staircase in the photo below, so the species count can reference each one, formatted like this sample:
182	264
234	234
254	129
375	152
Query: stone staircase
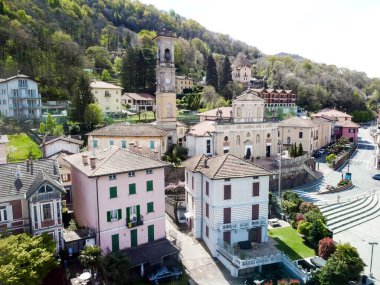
345	215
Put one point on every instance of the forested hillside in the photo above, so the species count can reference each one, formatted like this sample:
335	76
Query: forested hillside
55	40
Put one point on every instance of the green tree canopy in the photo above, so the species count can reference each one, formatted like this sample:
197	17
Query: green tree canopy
81	98
26	259
92	116
211	73
226	75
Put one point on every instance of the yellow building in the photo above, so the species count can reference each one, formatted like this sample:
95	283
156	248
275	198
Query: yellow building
107	95
183	82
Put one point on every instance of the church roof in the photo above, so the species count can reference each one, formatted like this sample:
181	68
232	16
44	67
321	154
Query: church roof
128	130
226	112
202	129
224	166
297	122
249	96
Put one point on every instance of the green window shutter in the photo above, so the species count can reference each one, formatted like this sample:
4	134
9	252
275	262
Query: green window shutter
138	212
149	185
108	216
150	207
132	188
119	214
115	243
128	215
113	192
151	233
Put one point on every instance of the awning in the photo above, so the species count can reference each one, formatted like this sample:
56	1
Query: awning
188	215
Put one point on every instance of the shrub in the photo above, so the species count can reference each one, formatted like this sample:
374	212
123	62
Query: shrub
330	158
326	247
314	215
306	207
304	228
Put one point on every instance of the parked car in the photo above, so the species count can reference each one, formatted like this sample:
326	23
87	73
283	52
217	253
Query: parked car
164	274
322	150
376	176
316	154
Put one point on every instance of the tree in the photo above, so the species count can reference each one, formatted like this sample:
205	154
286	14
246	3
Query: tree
26	259
90	258
81	98
326	247
226	75
209	96
50	124
344	265
42	128
106	75
92	116
115	268
300	150
211	73
58	130
99	56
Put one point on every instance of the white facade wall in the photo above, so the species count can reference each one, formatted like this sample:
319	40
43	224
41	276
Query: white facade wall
198	145
19	98
60	145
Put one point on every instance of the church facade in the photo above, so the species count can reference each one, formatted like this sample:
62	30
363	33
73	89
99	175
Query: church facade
244	133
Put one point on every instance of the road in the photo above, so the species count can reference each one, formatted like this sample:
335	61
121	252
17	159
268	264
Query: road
362	167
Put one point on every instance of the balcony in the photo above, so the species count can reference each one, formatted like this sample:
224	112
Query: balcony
135	222
45	196
241	225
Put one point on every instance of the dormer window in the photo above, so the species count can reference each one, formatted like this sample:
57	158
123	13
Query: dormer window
45	189
131	174
112	177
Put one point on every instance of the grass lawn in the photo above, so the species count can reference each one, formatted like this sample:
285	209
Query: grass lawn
20	146
291	243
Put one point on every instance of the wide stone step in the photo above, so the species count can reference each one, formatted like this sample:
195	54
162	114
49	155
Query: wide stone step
372	216
349	221
328	209
348	210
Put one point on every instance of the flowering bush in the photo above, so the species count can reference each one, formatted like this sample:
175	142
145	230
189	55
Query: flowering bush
326	247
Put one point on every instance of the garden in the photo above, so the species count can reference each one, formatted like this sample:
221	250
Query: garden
21	147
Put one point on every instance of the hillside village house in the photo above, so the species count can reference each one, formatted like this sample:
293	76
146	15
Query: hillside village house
19	98
240	130
120	195
241	73
107	95
312	134
127	136
182	83
30	198
54	145
226	205
140	102
3	148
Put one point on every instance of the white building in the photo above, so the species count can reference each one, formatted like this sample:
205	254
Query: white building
227	203
107	95
19	98
60	144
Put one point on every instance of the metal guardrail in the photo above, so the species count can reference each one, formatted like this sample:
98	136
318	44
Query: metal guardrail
339	199
248	224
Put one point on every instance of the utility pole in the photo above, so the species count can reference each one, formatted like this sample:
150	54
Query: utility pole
370	267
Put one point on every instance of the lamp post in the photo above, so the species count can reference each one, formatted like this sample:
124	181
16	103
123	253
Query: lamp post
370	267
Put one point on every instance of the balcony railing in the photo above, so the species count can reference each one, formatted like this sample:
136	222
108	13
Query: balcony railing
135	223
240	225
46	196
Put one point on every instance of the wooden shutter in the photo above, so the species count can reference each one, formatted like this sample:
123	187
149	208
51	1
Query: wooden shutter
255	189
227	192
207	188
207	209
255	212
227	215
128	215
113	192
149	185
108	216
138	212
132	188
119	214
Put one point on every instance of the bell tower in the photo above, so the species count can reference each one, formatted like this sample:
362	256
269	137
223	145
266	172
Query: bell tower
166	110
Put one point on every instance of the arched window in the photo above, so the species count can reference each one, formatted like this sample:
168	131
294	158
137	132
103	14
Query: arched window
248	135
238	140
257	139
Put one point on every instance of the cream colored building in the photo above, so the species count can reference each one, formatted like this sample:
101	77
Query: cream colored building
332	114
183	82
243	132
241	73
107	95
312	134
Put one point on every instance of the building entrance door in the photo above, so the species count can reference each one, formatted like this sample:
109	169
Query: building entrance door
268	151
254	235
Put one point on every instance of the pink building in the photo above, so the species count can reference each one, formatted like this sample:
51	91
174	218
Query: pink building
119	194
347	129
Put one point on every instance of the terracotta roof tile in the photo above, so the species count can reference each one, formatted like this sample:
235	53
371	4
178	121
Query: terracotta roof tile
104	85
297	122
202	129
212	113
126	129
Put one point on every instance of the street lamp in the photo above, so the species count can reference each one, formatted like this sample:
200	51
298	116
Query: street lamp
370	267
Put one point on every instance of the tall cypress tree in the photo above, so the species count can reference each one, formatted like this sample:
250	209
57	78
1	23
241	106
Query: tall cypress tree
129	71
226	75
211	74
81	97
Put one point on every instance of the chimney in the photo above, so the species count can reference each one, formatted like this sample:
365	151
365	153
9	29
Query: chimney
31	166
205	163
131	146
93	162
156	155
139	149
135	149
85	159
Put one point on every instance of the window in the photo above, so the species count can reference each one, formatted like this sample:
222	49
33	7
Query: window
207	210
192	182
225	150
3	214
133	214
45	189
187	177
65	177
227	179
47	212
351	131
150	233
255	189
114	215
113	192
207	188
151	144
288	140
112	177
207	231
149	207
149	185
111	142
238	140
94	143
132	188
35	214
300	135
227	192
149	171
131	174
208	146
123	144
